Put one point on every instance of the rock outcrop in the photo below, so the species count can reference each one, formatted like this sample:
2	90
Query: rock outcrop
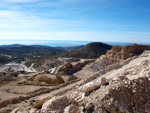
70	68
120	53
128	92
43	79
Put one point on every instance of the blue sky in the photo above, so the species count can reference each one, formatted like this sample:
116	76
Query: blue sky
88	20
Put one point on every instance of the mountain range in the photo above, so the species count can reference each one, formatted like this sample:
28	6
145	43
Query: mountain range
20	52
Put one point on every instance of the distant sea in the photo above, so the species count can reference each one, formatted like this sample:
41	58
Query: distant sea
55	43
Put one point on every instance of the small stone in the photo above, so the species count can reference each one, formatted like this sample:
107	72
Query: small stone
33	110
88	106
72	109
103	81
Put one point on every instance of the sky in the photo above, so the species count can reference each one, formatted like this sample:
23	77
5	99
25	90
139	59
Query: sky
84	20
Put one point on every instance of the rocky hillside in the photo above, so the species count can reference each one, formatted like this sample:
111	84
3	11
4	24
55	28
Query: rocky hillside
116	87
91	50
70	48
72	67
43	56
4	58
118	54
121	87
20	53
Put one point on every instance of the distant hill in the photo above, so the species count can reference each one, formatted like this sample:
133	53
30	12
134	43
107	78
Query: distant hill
70	48
21	49
91	50
12	45
67	48
23	52
38	53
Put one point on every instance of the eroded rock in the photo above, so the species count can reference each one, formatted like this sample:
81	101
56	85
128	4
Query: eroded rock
88	106
72	109
70	68
119	53
41	78
75	96
55	103
40	100
20	110
88	87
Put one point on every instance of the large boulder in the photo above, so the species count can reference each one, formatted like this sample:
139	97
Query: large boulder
90	86
55	103
41	78
70	68
40	100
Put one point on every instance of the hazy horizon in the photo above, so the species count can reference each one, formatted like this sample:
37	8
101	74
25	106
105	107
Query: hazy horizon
57	43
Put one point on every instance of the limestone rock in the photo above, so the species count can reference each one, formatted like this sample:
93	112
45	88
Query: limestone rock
140	70
90	86
123	100
72	109
19	110
119	53
40	100
88	106
33	110
70	68
145	53
55	103
75	96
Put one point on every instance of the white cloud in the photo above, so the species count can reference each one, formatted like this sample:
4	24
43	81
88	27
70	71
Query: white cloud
6	13
20	1
17	20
